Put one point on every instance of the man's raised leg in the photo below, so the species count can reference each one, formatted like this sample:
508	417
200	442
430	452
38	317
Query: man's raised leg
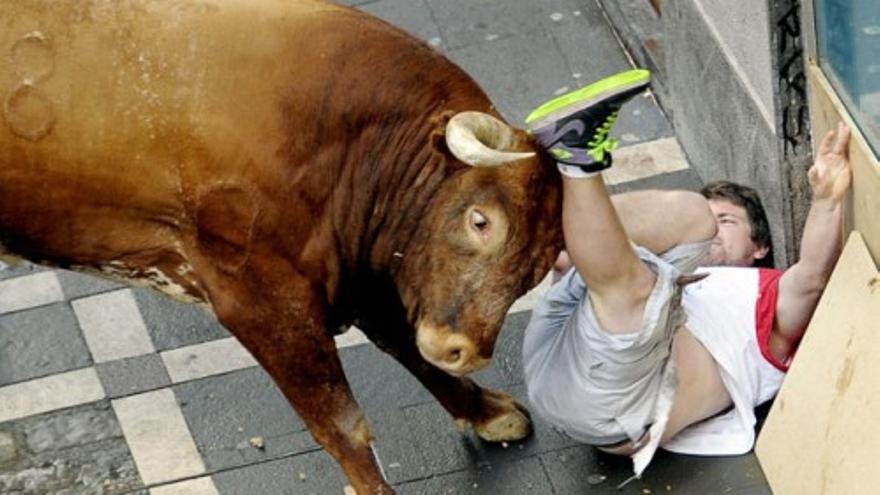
574	129
660	220
618	281
646	215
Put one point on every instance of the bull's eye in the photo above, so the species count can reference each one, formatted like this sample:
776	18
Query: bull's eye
485	226
479	221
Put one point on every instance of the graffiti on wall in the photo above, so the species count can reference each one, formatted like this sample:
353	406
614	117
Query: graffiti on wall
793	124
792	81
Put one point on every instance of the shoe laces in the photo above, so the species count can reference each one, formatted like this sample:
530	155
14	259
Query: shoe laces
601	144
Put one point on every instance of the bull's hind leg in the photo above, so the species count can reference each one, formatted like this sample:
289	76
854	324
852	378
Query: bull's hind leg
302	359
495	416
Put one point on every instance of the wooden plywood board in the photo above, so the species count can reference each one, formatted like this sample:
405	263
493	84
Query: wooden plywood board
822	435
863	213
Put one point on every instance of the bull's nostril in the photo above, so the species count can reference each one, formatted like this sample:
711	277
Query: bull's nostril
454	356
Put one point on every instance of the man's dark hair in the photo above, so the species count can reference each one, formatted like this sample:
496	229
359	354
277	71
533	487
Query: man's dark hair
748	199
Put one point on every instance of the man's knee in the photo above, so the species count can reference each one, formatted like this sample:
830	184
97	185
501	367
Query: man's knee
692	209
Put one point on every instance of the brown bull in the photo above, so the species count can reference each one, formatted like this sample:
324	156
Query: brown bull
294	167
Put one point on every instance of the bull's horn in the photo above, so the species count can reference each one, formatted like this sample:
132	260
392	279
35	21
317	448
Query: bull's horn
480	140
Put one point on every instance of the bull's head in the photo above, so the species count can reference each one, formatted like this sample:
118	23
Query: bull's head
492	233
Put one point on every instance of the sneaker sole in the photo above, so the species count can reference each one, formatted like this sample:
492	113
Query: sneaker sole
606	88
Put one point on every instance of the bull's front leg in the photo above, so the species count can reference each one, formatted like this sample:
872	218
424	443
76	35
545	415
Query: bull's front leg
302	359
307	370
495	416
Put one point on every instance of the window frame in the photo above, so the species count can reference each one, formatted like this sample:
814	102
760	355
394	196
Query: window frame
826	109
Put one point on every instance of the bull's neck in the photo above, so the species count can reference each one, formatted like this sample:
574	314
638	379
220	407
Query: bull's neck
393	185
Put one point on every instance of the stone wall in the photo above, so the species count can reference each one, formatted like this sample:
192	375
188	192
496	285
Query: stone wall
718	105
730	77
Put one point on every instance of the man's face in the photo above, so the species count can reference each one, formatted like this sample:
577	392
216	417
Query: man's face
733	244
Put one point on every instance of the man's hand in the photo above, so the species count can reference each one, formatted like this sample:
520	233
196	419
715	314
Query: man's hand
802	284
830	175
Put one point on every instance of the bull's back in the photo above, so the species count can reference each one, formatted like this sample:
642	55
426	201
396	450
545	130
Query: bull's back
124	120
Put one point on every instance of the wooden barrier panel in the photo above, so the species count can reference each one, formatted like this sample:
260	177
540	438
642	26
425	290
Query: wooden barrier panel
823	433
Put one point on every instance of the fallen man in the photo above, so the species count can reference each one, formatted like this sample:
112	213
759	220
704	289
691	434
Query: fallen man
639	348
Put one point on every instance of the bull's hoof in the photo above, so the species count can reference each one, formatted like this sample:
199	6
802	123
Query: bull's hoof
509	422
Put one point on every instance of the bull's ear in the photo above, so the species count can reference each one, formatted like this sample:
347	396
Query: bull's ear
438	133
440	120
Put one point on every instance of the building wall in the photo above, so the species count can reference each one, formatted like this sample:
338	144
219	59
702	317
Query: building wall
743	33
719	80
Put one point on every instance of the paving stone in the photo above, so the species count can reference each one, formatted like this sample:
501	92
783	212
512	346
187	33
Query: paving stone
378	381
76	285
206	359
196	486
113	326
583	468
507	359
133	375
50	393
412	445
645	160
19	269
158	436
444	449
469	22
72	427
29	291
224	412
525	71
584	36
314	473
8	451
523	476
172	324
641	120
39	342
684	179
412	16
400	457
75	451
105	467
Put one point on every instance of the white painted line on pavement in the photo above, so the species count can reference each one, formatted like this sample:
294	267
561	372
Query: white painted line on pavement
206	359
198	486
644	160
50	393
113	326
351	338
158	437
30	291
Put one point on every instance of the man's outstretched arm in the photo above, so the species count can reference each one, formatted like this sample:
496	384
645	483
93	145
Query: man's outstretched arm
802	284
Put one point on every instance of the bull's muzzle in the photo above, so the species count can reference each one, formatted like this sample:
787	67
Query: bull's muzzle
452	352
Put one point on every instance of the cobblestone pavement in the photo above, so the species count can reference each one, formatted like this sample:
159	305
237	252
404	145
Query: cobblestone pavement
107	389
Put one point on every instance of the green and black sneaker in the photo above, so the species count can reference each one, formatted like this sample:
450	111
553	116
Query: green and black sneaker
574	127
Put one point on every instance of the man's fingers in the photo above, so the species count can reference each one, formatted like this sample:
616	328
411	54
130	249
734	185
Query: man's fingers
813	175
842	142
827	142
